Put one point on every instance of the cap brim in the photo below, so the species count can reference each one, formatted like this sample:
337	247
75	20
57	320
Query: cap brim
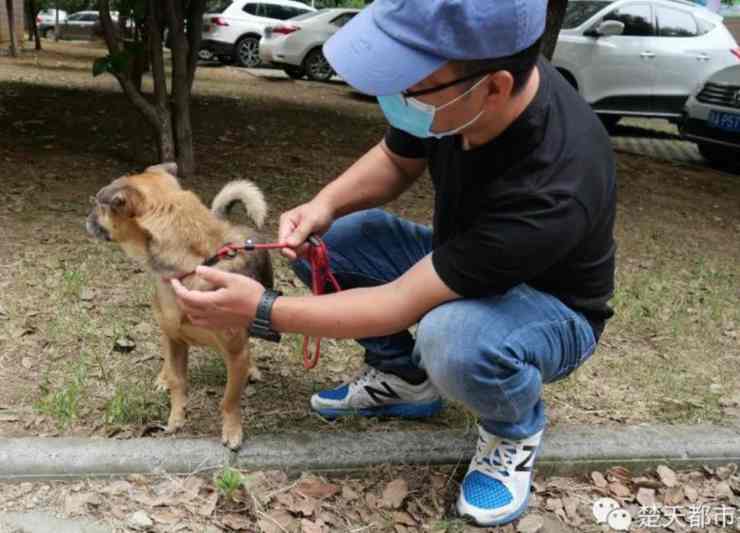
373	62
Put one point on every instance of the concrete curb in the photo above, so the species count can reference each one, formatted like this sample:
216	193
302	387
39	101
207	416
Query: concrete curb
566	450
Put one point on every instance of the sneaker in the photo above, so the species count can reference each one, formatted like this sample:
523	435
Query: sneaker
375	393
496	488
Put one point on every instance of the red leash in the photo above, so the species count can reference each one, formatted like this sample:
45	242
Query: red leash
321	274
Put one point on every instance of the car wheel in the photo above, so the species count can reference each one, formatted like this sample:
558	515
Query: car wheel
317	67
295	72
719	156
610	122
248	52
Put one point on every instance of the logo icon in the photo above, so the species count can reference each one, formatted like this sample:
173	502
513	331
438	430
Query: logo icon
736	97
608	511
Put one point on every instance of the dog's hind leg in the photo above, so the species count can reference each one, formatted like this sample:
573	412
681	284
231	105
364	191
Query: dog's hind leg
174	376
238	365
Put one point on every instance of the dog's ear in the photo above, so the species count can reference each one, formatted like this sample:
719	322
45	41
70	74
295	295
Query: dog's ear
127	202
164	168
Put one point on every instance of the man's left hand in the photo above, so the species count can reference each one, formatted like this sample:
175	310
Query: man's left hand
233	303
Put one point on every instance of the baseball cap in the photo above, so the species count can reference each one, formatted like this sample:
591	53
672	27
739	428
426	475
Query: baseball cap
393	44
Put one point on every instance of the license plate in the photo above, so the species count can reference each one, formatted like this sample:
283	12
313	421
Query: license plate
724	121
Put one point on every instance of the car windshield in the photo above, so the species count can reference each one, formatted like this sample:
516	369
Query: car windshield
580	11
308	15
217	6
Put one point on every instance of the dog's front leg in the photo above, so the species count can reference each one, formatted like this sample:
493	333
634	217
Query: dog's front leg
238	367
174	377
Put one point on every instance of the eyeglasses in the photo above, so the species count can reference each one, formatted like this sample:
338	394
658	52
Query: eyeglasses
429	90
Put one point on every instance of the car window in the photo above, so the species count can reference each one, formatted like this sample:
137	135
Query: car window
74	17
250	8
309	14
343	19
576	13
704	26
217	6
676	23
637	19
90	18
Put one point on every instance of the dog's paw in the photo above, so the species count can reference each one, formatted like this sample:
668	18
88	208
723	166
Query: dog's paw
255	374
232	437
175	423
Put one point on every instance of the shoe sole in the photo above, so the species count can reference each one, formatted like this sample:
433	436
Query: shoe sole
403	410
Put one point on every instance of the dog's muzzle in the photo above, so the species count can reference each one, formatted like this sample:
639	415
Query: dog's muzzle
95	229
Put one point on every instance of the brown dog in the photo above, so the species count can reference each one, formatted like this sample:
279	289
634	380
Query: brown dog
171	232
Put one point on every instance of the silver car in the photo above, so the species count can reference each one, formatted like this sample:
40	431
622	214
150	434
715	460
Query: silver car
641	57
295	45
712	118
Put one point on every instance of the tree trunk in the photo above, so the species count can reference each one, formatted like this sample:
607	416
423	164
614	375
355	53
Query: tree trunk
34	29
555	15
180	91
11	27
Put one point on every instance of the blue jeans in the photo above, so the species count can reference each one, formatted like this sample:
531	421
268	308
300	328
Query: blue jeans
493	354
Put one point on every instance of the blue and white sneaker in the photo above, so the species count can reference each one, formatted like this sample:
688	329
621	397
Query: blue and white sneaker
375	393
496	488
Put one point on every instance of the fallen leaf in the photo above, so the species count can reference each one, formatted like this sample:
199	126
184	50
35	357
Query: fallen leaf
349	494
236	521
645	497
619	490
553	504
305	506
286	500
673	496
571	507
725	472
310	527
75	504
316	488
691	493
404	518
165	516
277	521
667	476
599	480
531	523
647	482
140	521
723	490
209	506
395	493
619	474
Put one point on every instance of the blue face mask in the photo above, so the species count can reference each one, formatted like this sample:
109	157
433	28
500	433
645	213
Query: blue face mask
416	117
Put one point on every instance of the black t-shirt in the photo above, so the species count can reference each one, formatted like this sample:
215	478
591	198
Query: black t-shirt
535	205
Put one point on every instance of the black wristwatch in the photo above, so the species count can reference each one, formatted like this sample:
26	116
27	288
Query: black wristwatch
262	325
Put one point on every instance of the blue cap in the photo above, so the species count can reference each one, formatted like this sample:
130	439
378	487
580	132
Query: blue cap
393	44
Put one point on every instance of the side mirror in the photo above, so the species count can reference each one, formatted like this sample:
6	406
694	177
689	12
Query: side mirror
607	28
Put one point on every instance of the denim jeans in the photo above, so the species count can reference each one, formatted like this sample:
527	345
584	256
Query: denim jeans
493	354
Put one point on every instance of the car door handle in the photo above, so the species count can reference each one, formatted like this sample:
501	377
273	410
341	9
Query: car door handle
647	54
703	57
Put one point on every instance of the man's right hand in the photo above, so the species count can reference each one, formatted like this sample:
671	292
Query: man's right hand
299	223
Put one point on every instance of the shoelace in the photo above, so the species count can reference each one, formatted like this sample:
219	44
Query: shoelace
498	459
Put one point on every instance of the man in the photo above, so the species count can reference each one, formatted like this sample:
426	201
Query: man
510	288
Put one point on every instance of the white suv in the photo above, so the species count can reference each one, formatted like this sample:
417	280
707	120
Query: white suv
641	57
232	30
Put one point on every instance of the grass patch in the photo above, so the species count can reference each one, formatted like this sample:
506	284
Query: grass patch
63	404
228	481
135	405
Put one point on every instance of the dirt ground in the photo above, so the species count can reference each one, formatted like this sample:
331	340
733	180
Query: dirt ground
671	354
400	499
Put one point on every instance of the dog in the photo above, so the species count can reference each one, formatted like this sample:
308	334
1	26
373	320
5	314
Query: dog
169	231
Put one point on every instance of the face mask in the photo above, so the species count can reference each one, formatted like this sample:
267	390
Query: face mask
416	118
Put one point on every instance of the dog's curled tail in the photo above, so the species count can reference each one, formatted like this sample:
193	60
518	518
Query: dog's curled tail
247	193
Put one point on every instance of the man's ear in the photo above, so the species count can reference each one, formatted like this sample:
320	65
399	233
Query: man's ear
127	202
501	85
164	168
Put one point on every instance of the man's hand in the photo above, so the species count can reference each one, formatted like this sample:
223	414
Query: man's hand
232	305
297	224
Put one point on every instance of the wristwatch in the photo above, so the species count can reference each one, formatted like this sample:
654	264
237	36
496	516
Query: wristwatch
262	325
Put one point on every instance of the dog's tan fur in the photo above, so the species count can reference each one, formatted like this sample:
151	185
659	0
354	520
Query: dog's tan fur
170	232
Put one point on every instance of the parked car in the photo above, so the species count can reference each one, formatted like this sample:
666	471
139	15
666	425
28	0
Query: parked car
712	118
641	57
295	45
46	20
232	30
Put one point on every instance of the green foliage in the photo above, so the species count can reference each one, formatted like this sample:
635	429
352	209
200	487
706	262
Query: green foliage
228	482
133	405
